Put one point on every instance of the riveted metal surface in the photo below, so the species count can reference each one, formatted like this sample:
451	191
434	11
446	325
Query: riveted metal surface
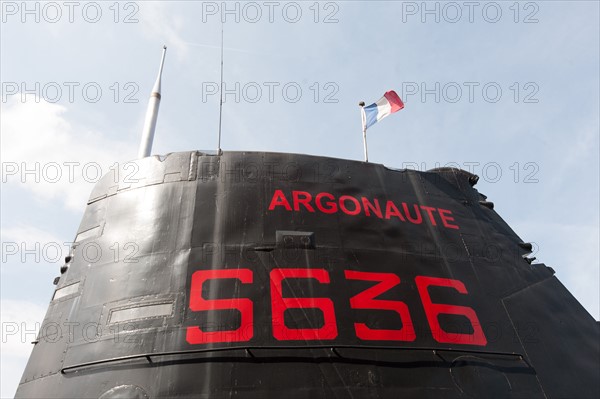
300	276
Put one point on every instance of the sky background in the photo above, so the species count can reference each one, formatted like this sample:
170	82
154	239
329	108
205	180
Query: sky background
507	90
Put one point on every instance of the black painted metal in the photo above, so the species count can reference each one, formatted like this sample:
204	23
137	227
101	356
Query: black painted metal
147	230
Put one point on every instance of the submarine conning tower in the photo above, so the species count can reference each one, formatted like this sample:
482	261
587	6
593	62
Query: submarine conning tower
254	274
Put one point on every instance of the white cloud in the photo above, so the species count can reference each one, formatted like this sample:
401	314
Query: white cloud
65	161
44	248
159	23
27	234
20	322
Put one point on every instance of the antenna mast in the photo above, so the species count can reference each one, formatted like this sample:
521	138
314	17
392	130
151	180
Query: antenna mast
152	113
219	152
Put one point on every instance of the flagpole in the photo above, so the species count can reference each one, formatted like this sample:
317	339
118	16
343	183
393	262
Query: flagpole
364	128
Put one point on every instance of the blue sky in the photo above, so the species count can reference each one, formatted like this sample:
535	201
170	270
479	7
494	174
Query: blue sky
510	90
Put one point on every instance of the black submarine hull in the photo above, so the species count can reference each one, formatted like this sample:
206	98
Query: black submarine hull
254	274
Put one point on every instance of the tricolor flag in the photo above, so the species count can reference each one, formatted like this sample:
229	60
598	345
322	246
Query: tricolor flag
387	105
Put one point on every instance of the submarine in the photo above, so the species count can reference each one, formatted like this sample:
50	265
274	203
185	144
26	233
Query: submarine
256	274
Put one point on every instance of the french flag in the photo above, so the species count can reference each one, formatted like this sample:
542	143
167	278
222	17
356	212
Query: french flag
386	105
